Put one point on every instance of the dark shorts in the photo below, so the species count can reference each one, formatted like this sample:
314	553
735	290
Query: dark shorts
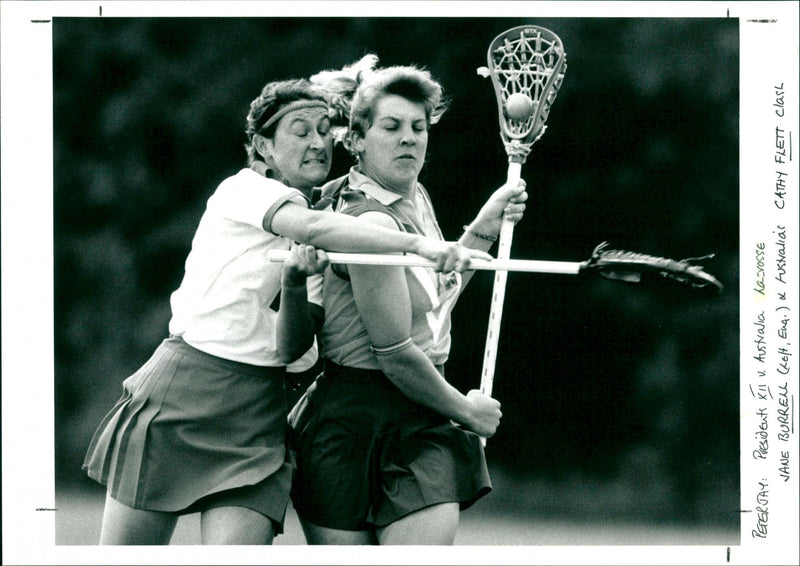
367	455
192	430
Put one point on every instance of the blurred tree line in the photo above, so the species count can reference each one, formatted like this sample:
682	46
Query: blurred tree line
600	382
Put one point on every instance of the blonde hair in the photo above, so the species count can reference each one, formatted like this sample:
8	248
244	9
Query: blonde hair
339	86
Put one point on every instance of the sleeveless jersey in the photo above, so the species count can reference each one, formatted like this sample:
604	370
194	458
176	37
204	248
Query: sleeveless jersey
344	337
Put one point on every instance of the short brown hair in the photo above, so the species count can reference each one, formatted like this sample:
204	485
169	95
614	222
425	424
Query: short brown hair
410	82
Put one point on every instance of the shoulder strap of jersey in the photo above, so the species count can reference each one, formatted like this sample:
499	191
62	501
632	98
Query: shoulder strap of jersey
328	194
356	203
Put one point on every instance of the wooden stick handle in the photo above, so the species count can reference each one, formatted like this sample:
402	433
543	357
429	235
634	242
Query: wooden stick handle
498	293
411	260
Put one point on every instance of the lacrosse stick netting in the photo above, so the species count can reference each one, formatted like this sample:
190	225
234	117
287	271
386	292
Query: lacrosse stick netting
526	64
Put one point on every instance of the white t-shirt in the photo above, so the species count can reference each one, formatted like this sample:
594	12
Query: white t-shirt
222	306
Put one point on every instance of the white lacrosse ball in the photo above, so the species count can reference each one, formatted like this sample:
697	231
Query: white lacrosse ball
519	106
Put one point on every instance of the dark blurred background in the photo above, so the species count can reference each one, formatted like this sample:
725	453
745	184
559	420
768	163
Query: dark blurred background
619	402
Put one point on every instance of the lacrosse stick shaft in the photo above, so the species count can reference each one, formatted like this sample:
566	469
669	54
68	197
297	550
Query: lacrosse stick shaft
526	65
498	292
410	260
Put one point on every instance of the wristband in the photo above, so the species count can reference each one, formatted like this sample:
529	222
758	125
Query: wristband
479	235
391	348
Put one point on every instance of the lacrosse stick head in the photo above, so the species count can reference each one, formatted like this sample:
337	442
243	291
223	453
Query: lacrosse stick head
633	267
527	66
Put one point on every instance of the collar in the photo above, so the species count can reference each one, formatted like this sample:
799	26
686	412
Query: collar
359	181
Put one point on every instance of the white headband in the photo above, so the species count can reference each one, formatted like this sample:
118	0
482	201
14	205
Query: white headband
291	107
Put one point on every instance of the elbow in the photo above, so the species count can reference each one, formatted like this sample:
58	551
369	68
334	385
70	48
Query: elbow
289	354
290	350
286	358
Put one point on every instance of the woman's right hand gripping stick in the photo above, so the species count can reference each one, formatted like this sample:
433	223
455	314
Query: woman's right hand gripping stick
485	414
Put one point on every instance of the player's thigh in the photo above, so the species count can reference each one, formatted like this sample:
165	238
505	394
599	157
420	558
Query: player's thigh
123	525
235	525
322	535
436	524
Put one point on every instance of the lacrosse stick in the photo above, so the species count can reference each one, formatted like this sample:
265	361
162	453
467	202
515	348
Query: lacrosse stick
526	65
614	265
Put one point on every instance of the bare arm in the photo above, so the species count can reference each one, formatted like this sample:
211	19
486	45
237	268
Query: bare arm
508	201
382	297
298	320
338	232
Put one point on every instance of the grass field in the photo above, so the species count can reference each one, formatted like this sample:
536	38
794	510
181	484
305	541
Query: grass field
79	513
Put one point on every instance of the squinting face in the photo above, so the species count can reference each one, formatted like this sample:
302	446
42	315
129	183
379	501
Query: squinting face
392	151
301	148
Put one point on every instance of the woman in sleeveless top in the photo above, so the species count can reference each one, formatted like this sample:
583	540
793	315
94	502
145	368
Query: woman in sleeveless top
388	452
